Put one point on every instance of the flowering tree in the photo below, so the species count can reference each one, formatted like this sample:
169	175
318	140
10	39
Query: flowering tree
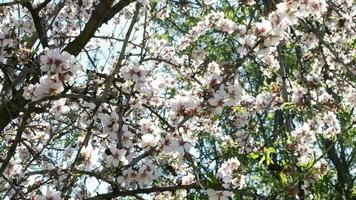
178	99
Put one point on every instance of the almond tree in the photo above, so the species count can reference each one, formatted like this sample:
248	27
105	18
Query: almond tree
178	99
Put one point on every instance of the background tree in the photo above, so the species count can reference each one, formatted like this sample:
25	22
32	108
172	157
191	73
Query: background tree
102	99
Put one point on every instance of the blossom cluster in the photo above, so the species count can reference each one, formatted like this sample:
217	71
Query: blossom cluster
59	68
143	175
304	138
228	173
185	110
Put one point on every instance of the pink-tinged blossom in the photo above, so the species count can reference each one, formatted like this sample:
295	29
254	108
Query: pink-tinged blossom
87	156
59	67
302	143
29	92
330	125
48	86
298	94
135	73
183	106
169	145
264	27
110	124
149	140
287	12
213	75
127	176
54	61
310	40
49	195
188	179
218	195
59	108
350	97
228	173
182	145
218	100
62	64
144	175
116	157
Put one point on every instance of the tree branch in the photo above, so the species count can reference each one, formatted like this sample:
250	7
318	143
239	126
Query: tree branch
13	3
39	25
16	141
97	19
144	191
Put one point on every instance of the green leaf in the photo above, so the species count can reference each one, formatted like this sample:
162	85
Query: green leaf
267	155
271	150
253	155
238	109
77	174
173	91
283	178
288	106
215	117
261	161
268	159
212	181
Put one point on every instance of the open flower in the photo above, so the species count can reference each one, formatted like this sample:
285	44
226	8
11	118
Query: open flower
49	195
59	108
149	140
218	195
264	27
135	73
116	156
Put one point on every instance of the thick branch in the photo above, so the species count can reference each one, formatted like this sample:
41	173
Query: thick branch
12	3
343	173
10	110
41	30
144	191
98	18
16	141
